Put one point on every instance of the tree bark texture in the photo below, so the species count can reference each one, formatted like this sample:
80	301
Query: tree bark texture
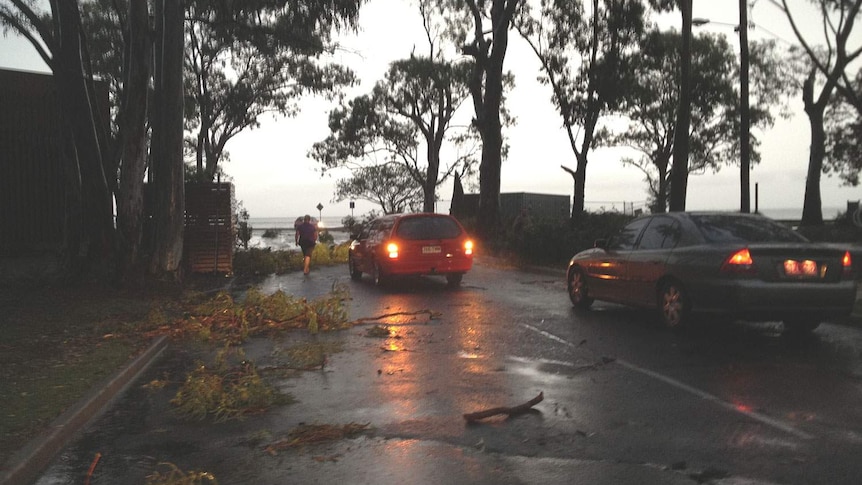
78	109
133	138
812	210
487	91
167	162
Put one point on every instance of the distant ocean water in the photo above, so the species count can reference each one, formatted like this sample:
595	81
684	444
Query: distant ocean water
284	238
829	213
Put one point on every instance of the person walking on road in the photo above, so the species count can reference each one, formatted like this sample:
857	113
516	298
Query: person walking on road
306	238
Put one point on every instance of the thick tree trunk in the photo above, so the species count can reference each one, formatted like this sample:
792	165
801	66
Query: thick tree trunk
167	160
133	119
429	188
490	125
661	194
812	211
78	104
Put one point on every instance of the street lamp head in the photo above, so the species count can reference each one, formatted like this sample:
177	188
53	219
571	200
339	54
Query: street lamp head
697	22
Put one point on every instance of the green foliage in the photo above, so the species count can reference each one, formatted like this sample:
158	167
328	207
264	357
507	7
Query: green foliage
350	224
225	390
555	241
844	139
172	475
321	255
257	261
340	253
413	105
326	238
391	186
244	230
841	230
251	58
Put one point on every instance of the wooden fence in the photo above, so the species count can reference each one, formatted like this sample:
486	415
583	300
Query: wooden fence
210	230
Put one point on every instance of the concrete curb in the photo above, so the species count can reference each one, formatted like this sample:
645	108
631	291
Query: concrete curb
26	465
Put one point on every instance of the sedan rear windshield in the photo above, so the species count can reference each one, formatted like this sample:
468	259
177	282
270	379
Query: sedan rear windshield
418	228
729	228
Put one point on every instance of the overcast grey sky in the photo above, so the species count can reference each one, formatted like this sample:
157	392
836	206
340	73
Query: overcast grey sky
275	178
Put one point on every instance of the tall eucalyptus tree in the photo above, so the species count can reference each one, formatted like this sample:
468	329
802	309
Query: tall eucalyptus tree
586	57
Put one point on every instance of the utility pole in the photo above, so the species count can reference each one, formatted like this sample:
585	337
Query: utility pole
744	113
679	168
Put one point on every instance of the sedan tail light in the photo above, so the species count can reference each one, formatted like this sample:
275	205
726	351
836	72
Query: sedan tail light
392	250
739	262
468	247
847	262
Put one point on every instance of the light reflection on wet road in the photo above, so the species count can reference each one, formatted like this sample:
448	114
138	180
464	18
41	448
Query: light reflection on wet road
624	401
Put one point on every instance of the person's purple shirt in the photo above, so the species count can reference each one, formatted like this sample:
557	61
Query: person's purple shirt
306	232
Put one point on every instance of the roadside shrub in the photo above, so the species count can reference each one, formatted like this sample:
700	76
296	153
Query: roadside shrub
257	261
350	224
547	241
326	238
321	255
841	230
271	233
339	253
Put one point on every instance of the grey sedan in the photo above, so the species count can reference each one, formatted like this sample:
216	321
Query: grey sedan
741	266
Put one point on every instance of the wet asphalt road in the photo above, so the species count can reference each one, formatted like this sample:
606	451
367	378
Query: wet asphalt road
624	402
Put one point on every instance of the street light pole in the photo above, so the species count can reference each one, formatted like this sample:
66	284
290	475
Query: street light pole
744	108
744	113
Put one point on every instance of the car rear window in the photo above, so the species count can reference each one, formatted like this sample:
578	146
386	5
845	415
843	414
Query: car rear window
729	228
417	228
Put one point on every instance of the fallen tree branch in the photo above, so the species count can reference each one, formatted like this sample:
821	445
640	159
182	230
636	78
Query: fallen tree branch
512	411
431	316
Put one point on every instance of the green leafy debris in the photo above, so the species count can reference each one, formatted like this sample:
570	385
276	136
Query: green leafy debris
172	475
225	391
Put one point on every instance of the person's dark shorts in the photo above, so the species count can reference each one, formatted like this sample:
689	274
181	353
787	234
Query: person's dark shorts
307	248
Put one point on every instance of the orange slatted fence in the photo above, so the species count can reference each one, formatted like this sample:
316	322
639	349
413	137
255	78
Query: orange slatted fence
210	229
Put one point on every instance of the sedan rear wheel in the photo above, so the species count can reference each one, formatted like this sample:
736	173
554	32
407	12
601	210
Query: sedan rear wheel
578	291
454	279
379	277
355	274
673	306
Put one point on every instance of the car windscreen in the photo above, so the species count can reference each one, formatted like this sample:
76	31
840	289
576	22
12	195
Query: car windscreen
731	228
419	228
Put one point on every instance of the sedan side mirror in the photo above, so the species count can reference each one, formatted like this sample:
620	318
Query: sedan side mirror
601	243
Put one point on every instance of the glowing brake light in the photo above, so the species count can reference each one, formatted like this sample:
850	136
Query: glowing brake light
739	262
847	263
392	250
468	247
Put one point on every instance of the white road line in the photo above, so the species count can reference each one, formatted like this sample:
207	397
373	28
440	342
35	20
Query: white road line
771	422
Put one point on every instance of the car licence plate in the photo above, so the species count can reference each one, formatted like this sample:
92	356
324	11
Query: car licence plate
806	268
431	249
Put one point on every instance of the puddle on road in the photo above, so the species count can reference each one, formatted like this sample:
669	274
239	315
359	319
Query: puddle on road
546	370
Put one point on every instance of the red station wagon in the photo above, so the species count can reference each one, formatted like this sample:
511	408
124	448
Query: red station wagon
411	244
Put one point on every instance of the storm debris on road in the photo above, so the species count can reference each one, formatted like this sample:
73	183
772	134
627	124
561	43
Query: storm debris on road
432	315
174	476
509	411
225	391
378	331
312	434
